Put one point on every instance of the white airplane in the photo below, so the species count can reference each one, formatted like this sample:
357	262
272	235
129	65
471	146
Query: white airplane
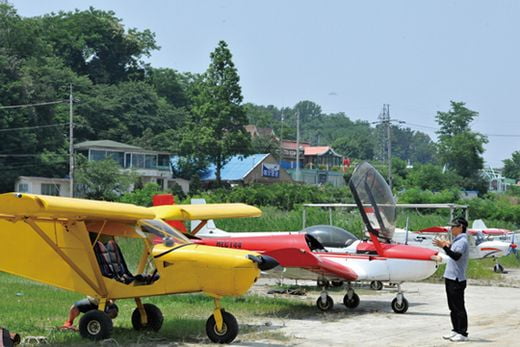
482	241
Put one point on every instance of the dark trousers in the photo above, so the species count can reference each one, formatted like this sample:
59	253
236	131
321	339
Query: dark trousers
455	294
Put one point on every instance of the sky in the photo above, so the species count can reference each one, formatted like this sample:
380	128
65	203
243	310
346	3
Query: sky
347	56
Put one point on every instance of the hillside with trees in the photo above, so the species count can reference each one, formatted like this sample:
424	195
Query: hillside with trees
200	117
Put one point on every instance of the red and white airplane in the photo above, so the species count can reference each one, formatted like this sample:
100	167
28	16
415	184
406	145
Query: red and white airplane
362	260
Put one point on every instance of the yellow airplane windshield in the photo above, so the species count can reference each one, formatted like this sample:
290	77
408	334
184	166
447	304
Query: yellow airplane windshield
162	230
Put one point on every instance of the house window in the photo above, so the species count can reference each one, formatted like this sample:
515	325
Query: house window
138	161
97	155
50	189
128	160
23	187
118	157
163	161
150	161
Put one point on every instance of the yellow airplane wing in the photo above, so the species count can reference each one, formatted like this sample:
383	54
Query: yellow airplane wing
205	211
40	206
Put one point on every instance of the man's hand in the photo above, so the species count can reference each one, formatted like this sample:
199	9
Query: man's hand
441	243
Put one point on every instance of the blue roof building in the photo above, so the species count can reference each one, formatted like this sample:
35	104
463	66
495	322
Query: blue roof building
256	168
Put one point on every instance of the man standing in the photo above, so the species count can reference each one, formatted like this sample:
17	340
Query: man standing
455	278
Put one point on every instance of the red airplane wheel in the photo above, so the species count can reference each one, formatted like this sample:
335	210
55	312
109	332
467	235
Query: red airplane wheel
325	306
351	303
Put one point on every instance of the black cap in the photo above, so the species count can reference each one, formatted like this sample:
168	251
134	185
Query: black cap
459	221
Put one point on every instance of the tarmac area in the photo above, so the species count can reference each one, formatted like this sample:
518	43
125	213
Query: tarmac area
493	314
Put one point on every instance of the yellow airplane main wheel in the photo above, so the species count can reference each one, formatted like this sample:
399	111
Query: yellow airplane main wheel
153	315
229	329
95	325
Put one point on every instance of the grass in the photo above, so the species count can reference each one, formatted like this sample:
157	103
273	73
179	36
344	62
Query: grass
29	308
273	219
480	269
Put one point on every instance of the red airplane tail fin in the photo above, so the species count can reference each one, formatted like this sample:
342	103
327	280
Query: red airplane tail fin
168	199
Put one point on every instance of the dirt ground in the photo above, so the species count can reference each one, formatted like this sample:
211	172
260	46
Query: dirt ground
493	311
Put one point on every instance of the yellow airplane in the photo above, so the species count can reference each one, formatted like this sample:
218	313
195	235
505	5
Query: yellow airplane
69	243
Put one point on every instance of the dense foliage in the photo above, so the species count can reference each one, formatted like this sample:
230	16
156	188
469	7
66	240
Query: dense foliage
283	196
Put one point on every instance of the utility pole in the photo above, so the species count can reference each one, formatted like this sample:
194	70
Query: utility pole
384	118
281	141
71	145
298	145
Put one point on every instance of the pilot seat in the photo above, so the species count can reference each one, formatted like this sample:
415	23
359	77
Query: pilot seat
113	265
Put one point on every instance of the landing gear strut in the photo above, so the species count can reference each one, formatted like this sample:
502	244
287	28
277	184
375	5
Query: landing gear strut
399	304
322	283
376	285
351	299
221	326
498	268
324	302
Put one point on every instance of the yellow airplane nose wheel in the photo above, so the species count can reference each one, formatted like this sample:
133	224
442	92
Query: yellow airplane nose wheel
221	326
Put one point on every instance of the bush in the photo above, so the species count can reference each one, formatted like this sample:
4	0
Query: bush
284	196
142	197
418	196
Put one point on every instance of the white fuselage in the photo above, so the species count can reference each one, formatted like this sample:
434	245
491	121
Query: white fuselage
483	249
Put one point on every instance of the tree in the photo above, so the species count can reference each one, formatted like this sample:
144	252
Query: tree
216	128
143	196
124	111
265	144
423	148
95	43
263	116
512	166
102	180
431	177
169	84
460	148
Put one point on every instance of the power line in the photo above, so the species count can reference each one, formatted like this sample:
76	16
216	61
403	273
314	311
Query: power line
35	104
34	127
437	128
2	155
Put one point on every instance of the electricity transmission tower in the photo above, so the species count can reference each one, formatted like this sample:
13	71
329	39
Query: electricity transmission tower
384	119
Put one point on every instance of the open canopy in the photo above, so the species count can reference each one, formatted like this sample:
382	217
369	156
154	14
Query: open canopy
374	200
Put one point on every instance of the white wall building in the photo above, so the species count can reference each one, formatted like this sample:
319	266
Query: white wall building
43	185
149	166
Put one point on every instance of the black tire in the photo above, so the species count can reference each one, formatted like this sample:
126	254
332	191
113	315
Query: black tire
400	308
112	311
95	325
154	316
327	306
336	283
376	285
323	283
229	328
498	268
351	303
